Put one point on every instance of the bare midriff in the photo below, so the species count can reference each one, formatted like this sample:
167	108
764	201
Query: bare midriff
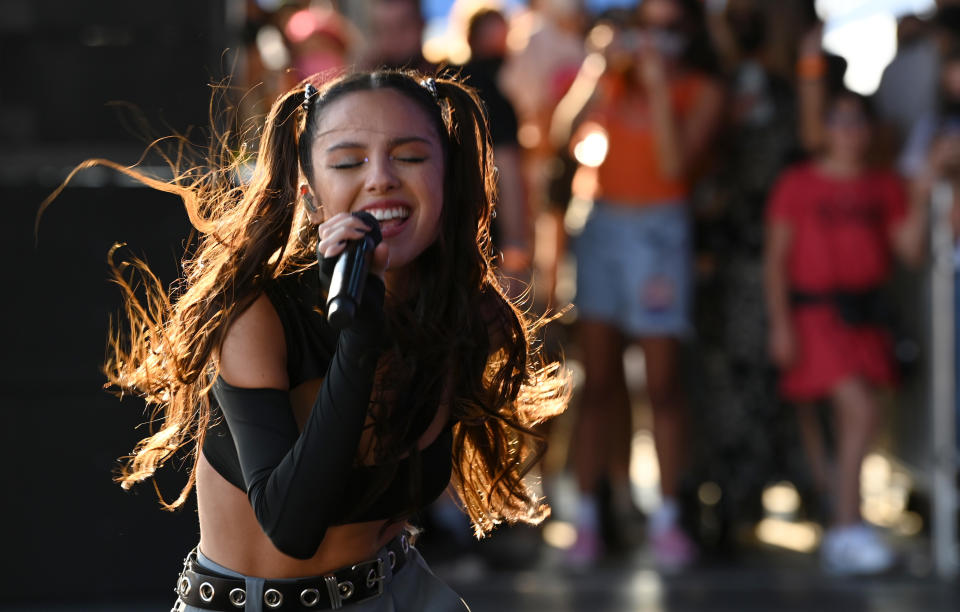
231	536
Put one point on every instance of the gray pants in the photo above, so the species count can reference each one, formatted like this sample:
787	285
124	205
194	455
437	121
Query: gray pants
413	588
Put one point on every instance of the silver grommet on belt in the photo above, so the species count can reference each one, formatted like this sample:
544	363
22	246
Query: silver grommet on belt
346	589
184	586
238	597
309	597
404	544
393	558
273	598
206	592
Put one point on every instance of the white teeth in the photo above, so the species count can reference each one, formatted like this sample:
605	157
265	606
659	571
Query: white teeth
386	214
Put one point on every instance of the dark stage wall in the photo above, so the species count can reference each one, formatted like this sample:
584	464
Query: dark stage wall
69	533
61	510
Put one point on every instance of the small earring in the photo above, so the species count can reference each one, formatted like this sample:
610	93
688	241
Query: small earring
308	199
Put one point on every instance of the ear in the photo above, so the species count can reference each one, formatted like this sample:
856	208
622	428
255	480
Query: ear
314	208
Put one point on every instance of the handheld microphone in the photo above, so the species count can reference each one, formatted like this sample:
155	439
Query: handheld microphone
350	274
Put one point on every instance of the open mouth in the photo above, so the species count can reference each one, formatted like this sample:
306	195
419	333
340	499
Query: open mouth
390	217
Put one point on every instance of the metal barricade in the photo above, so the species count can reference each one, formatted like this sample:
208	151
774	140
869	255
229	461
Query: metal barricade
942	385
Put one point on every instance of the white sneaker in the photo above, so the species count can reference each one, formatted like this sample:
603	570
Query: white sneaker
855	549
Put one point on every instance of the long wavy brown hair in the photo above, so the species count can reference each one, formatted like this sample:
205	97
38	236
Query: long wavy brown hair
459	336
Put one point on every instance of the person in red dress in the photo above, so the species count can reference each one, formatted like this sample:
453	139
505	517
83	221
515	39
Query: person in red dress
833	226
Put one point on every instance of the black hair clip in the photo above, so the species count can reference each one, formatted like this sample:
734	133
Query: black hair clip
309	91
431	85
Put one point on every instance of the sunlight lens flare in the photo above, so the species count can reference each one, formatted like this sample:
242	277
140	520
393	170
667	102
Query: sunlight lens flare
592	150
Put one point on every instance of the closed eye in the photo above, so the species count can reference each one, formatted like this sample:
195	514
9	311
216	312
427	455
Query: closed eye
347	164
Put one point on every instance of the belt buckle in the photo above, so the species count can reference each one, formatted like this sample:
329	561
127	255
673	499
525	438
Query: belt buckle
342	592
375	575
184	585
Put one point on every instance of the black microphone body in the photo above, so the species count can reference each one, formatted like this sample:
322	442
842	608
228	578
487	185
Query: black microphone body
350	274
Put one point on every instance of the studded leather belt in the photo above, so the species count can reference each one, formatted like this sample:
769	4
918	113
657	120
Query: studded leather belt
209	590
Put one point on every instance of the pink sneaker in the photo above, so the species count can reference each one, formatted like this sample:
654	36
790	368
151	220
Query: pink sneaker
673	550
586	551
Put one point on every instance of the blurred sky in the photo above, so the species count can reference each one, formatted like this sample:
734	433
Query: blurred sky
864	32
439	8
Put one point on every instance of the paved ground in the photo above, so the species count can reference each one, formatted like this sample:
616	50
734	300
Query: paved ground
762	582
746	587
516	571
759	580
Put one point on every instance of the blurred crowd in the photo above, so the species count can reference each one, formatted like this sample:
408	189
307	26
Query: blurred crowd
696	180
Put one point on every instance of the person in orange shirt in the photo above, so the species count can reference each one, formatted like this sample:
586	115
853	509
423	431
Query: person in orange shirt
633	259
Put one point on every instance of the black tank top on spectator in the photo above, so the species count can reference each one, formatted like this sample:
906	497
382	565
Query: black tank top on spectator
301	482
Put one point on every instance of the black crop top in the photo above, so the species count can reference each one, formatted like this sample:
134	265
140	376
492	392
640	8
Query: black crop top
299	483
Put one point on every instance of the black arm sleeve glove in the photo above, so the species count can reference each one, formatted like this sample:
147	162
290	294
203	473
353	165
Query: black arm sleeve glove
295	480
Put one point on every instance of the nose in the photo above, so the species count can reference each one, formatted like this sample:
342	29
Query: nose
381	176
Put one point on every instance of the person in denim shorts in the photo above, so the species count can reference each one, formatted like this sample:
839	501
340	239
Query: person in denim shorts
657	115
